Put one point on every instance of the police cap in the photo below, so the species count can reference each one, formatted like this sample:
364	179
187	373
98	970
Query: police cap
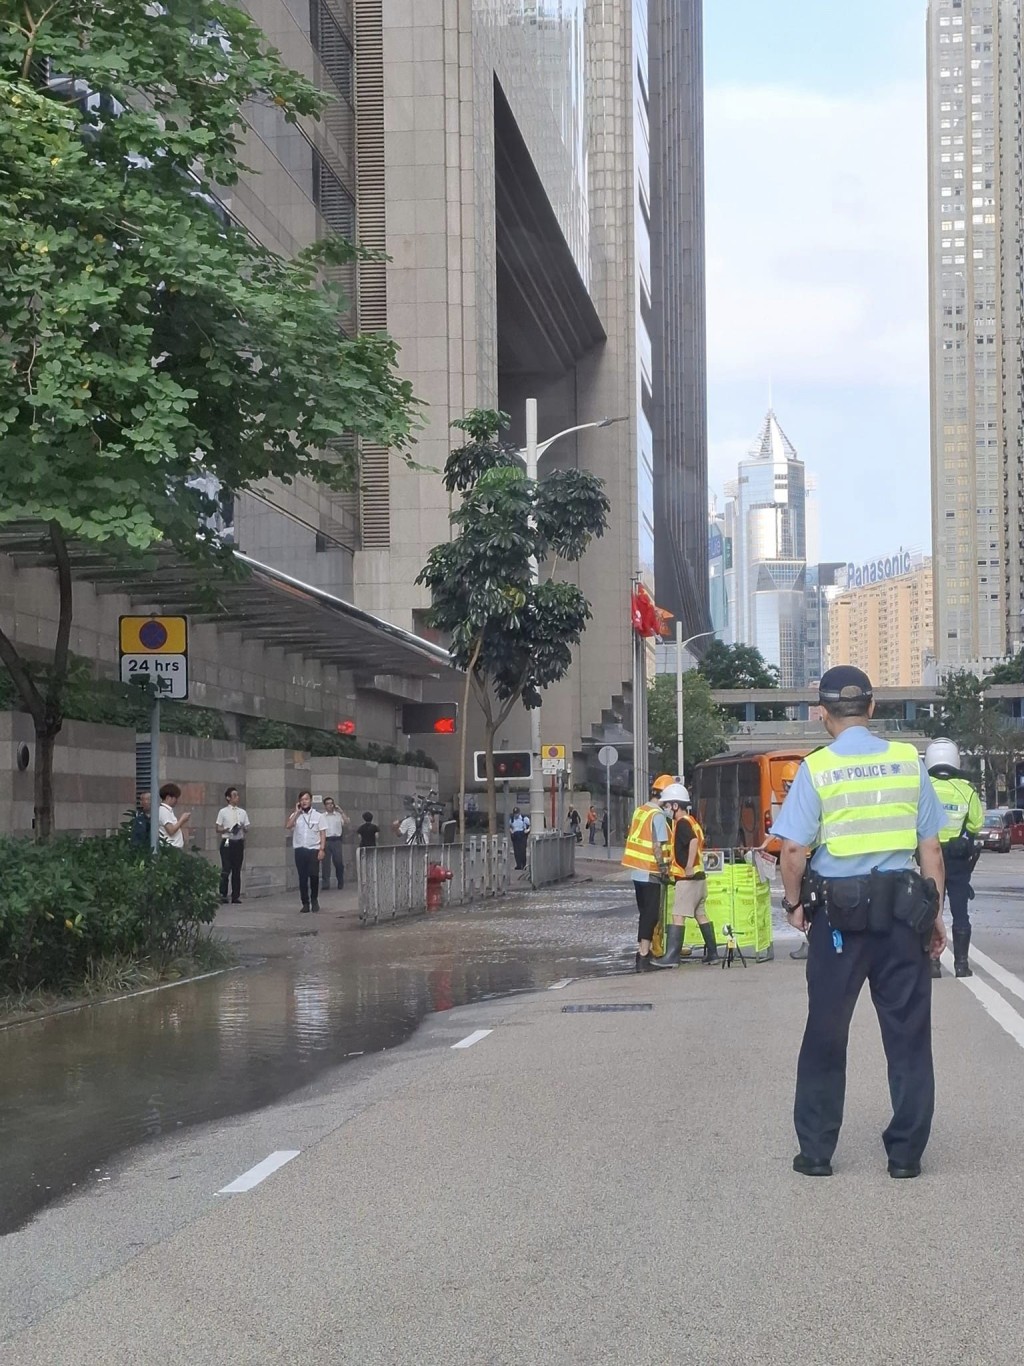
844	683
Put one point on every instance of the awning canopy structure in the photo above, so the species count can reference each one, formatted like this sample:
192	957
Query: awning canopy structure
263	604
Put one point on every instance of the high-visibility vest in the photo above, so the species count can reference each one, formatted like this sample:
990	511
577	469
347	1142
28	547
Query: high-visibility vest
640	852
678	870
869	802
961	806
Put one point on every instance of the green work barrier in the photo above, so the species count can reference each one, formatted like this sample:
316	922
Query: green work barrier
736	897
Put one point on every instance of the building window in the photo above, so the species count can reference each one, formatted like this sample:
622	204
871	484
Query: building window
331	46
333	201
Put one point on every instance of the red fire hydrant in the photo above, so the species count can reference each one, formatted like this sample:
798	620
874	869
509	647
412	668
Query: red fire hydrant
436	875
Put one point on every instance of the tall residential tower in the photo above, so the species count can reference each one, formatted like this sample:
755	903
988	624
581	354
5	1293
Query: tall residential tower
976	184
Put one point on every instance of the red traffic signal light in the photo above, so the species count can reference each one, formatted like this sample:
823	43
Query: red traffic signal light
510	765
430	718
346	728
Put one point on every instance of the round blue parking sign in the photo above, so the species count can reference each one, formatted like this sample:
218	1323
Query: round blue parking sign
153	635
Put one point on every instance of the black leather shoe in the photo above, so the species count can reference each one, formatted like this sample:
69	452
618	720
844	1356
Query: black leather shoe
899	1173
806	1167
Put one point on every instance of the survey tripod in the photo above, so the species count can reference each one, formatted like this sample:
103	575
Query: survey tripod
732	949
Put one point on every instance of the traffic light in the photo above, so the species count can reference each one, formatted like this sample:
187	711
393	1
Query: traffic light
430	718
510	765
346	728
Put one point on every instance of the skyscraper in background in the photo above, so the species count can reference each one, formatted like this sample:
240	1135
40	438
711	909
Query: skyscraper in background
765	520
975	193
678	322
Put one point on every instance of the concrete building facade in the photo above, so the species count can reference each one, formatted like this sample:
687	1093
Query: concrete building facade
976	201
885	628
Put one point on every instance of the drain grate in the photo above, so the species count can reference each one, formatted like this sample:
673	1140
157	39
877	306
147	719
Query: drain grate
602	1010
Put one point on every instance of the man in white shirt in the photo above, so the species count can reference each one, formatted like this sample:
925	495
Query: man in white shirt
519	829
415	829
309	841
335	821
232	823
172	826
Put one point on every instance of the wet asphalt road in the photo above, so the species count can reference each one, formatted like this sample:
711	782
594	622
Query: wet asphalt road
81	1089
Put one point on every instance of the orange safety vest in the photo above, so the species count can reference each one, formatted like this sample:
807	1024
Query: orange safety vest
640	852
678	870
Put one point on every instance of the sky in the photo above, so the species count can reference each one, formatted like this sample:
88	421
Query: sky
817	255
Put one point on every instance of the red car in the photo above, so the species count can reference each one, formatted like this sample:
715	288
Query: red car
1003	829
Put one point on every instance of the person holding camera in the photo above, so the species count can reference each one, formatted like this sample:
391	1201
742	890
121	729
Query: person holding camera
232	823
866	807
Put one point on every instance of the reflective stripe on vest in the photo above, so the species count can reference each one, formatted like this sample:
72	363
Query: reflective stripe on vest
955	797
678	870
868	802
640	852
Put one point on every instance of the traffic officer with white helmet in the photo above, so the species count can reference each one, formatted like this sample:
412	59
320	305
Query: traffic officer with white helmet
962	808
865	806
686	868
647	856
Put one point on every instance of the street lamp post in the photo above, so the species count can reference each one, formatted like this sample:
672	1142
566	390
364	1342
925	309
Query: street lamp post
681	645
532	454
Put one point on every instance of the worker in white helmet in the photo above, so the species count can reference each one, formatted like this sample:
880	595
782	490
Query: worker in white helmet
962	808
687	872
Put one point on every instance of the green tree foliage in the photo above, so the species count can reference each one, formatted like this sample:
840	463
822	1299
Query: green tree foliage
704	724
513	637
151	352
740	666
1010	671
982	729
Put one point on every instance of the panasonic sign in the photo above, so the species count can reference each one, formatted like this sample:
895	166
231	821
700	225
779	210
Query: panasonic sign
877	571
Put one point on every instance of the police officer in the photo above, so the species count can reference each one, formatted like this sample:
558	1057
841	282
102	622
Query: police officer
686	869
964	816
647	855
865	805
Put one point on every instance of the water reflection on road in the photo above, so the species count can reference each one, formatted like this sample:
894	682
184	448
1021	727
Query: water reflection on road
78	1089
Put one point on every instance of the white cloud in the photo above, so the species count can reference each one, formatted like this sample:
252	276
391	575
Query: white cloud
817	236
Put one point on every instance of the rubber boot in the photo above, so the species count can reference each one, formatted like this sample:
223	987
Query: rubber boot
710	946
961	945
673	948
646	963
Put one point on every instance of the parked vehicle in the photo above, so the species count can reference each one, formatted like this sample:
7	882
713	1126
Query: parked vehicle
736	797
1003	828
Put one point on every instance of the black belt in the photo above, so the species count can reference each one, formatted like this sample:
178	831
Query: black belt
873	902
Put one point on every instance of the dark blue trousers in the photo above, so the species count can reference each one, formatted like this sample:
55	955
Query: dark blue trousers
958	889
896	969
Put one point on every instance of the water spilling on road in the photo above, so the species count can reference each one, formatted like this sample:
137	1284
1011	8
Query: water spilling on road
81	1088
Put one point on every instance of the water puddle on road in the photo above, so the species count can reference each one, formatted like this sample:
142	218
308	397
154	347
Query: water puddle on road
79	1089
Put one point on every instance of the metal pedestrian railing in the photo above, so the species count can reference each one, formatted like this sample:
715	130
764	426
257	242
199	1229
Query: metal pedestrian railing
552	858
393	880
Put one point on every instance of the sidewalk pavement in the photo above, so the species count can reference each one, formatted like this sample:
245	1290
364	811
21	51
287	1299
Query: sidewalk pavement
589	1188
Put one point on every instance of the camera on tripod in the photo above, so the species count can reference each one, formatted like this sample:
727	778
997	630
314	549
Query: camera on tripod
424	806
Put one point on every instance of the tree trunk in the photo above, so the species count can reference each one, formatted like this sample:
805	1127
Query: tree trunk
492	795
463	740
46	741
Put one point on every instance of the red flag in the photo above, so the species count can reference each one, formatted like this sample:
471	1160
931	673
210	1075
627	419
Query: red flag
648	620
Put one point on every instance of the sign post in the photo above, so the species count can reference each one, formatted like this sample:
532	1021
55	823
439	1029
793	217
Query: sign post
154	654
608	755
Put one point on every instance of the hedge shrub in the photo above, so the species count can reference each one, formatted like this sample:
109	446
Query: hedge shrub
257	734
68	904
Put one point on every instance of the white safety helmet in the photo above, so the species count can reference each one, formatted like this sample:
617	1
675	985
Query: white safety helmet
675	792
942	754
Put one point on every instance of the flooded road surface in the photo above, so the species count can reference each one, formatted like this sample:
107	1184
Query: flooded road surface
78	1089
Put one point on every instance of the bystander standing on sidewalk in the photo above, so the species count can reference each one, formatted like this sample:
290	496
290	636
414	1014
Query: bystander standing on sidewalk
232	825
519	829
367	832
335	822
604	827
139	830
573	818
309	841
172	826
592	823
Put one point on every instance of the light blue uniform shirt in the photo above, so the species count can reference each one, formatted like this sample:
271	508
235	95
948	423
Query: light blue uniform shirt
800	817
659	833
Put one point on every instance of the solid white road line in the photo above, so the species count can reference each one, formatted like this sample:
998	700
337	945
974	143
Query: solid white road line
558	986
992	1003
479	1034
1009	980
261	1171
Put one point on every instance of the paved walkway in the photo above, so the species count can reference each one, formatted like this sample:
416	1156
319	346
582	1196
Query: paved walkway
584	1187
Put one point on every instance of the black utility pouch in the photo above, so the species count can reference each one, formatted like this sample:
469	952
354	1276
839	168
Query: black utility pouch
848	904
915	902
881	897
960	848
